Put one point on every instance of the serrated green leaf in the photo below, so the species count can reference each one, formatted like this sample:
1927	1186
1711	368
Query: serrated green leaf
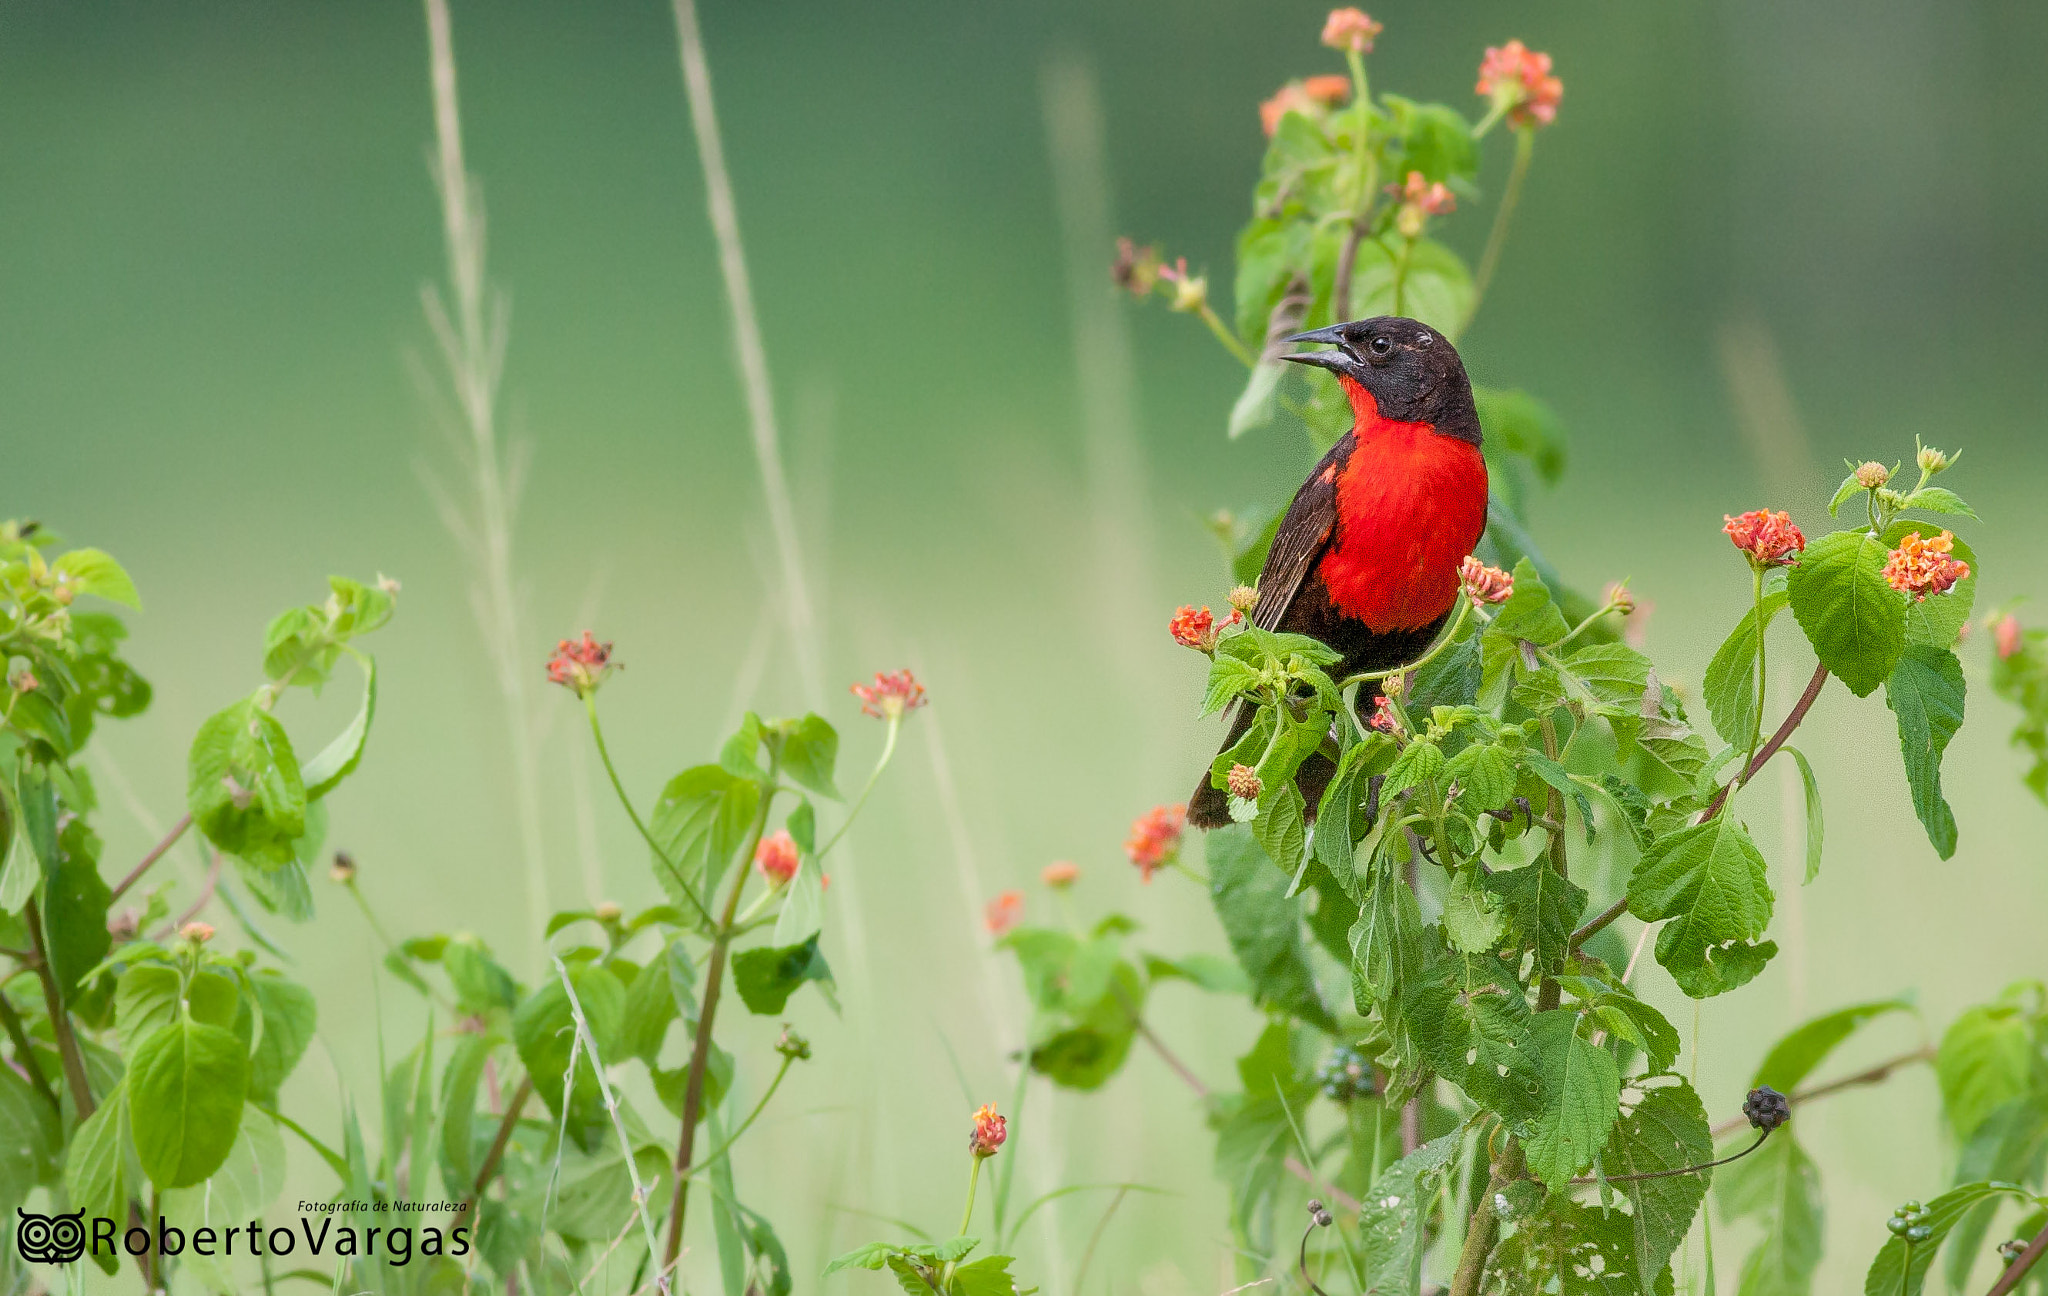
1729	685
186	1085
1391	1225
702	818
808	750
1581	1097
94	571
244	787
1711	883
1665	1131
1854	620
1473	917
1926	693
767	976
1986	1059
1263	924
1542	910
544	1030
1937	499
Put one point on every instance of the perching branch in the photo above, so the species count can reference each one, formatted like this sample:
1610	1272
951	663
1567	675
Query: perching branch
156	853
1770	749
1874	1075
2017	1270
497	1152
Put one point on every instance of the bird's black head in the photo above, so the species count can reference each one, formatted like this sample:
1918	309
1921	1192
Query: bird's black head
1413	372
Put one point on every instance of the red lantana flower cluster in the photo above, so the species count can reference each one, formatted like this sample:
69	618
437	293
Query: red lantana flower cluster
1921	565
1197	628
990	1129
1384	718
1430	198
1155	836
1519	77
892	694
776	857
1060	873
1485	584
1770	539
1351	30
1244	782
1003	913
581	665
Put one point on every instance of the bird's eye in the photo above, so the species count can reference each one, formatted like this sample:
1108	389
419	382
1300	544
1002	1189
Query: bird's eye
1381	345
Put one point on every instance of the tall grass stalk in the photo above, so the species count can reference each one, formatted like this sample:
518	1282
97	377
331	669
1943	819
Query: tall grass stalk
470	324
1124	592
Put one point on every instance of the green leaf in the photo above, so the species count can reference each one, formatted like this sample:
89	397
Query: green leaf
1263	925
459	1083
1806	1046
75	903
1210	972
809	750
1729	686
94	571
1854	620
1392	1223
1581	1097
1628	1018
1280	827
544	1030
1477	1036
702	818
1574	1250
1779	1186
95	1167
1986	1059
244	787
1900	1270
1427	282
1473	917
1710	881
1485	775
31	1140
651	1005
290	1016
988	1276
1926	693
338	759
1937	499
480	983
1255	405
767	976
1542	910
146	1000
186	1085
1816	828
872	1256
1665	1131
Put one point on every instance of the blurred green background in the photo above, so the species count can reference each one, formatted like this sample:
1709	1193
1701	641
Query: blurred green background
1760	238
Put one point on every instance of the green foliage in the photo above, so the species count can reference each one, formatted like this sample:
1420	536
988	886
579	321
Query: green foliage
1712	883
1925	692
1779	1187
1855	621
765	978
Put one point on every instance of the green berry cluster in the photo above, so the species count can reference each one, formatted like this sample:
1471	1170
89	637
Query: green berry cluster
1346	1075
1910	1223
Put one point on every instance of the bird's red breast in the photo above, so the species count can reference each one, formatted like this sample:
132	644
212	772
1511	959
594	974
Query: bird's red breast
1411	503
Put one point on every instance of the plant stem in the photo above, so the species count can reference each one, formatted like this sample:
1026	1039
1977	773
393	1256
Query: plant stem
973	1181
1770	749
205	898
498	1145
156	853
707	1013
1525	145
711	1157
1226	337
1443	641
60	1020
1478	1240
881	763
604	755
2017	1270
1756	727
23	1053
1873	1075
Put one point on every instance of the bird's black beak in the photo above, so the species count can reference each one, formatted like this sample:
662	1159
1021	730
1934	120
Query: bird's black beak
1340	360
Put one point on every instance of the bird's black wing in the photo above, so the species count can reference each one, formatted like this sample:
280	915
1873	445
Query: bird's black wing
1303	535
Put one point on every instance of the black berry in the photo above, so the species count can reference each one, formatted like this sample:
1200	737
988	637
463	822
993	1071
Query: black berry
1766	1108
